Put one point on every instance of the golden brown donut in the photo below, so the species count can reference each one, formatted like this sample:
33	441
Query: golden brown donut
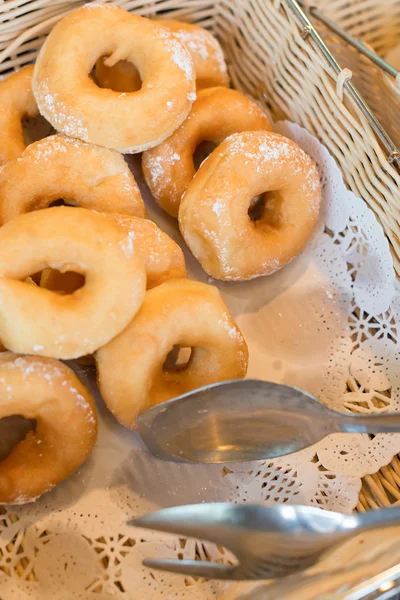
217	113
214	212
205	50
34	320
66	425
163	259
16	103
61	167
130	122
208	60
178	312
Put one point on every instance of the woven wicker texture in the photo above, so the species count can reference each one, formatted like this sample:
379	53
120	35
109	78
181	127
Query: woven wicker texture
269	59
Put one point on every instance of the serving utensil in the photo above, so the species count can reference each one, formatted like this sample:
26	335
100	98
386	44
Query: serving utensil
268	541
245	420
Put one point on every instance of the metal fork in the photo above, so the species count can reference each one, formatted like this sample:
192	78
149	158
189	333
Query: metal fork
268	542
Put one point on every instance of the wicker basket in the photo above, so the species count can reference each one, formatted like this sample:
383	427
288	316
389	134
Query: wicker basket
270	60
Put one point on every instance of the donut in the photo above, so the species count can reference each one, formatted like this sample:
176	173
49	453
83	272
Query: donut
61	167
214	212
130	369
34	320
163	259
217	113
66	425
130	122
205	51
16	103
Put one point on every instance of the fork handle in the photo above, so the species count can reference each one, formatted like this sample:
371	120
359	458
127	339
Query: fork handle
387	423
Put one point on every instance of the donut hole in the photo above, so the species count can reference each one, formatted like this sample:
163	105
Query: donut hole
178	359
203	150
35	277
123	77
36	128
13	430
265	209
66	282
58	202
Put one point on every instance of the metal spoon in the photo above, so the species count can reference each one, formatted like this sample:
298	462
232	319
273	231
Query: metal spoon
247	419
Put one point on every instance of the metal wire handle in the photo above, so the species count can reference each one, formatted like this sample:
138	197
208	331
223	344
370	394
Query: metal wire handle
352	41
310	31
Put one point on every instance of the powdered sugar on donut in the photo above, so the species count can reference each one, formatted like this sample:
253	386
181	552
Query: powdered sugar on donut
127	246
220	58
49	371
156	166
232	331
44	150
104	4
81	402
201	43
58	113
194	40
179	54
219	207
272	152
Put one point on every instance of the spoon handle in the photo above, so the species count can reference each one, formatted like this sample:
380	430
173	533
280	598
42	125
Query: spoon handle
386	423
375	519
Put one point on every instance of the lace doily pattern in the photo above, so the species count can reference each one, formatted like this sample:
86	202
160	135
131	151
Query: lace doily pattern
327	323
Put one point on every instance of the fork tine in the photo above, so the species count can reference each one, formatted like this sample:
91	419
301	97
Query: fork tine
195	568
211	522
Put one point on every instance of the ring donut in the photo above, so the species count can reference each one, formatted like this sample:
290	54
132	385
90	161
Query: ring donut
66	425
214	212
34	320
16	103
204	49
178	312
163	259
61	167
216	114
129	122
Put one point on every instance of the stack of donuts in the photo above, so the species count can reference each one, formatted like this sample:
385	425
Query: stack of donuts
94	279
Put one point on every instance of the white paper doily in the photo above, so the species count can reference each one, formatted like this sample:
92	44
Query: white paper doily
327	323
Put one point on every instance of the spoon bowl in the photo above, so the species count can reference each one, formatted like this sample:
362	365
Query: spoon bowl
244	420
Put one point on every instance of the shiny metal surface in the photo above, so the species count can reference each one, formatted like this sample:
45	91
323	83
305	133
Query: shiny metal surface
384	586
268	541
350	39
309	31
245	420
